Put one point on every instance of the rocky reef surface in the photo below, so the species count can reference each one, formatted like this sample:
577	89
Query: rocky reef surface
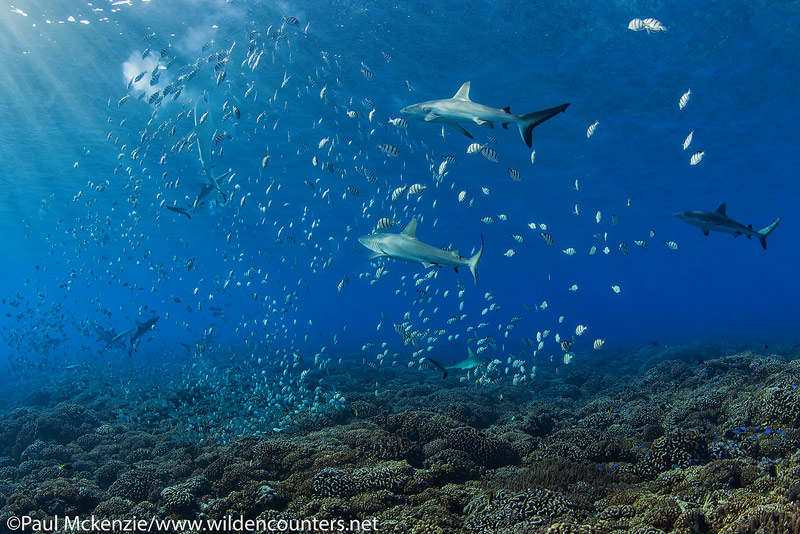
687	444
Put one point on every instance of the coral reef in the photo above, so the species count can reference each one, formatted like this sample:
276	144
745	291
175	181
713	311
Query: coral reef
701	444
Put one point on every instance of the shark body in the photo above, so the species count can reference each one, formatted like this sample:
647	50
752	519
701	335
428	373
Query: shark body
719	221
460	108
118	339
207	190
405	246
470	362
110	337
205	132
141	330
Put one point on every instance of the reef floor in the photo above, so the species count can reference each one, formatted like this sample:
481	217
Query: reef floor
691	441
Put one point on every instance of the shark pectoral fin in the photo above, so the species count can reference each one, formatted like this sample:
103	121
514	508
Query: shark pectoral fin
428	265
460	129
440	366
480	121
376	255
705	232
431	116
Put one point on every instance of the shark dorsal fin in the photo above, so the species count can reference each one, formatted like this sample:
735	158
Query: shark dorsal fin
470	353
721	209
463	93
507	109
411	229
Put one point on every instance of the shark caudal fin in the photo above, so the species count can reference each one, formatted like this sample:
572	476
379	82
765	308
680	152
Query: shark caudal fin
440	366
473	262
529	121
766	231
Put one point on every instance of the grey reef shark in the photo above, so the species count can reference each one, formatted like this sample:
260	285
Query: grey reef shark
719	221
405	246
470	362
460	108
140	330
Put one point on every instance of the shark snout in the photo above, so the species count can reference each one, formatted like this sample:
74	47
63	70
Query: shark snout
368	242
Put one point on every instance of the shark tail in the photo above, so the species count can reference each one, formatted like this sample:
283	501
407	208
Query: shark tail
472	263
218	183
766	231
440	366
529	121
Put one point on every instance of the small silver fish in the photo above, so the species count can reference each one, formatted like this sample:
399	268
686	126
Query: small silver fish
636	25
592	128
397	193
474	148
684	99
389	150
653	25
416	189
489	154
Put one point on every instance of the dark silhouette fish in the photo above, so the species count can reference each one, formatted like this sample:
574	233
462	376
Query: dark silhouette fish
182	211
141	329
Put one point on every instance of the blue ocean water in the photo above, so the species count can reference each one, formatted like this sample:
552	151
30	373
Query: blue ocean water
90	244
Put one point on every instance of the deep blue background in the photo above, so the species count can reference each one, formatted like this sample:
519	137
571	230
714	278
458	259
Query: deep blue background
58	94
